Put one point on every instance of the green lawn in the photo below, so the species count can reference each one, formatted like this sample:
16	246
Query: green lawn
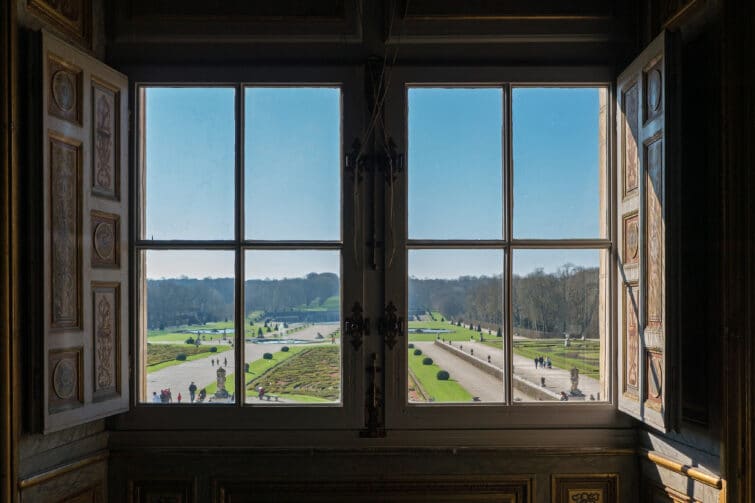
439	391
160	353
584	355
313	372
457	334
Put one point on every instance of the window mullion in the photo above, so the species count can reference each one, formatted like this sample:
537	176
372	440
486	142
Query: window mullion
239	300
508	191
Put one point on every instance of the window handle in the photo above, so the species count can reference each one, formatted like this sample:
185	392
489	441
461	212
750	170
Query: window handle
391	325
356	326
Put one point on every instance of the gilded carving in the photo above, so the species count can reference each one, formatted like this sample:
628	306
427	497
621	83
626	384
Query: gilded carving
105	239
105	120
655	235
631	319
105	308
64	90
631	239
585	496
584	488
65	381
631	131
654	379
65	226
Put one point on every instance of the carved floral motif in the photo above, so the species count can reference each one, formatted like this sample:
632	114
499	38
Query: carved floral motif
104	136
106	318
633	339
631	127
105	239
654	244
64	228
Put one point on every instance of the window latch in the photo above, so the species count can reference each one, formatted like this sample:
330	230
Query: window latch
391	325
356	326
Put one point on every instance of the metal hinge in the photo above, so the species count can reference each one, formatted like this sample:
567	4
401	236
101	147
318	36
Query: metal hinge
391	325
356	326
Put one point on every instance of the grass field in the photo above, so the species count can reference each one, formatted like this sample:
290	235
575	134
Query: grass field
457	334
312	372
437	391
584	355
163	353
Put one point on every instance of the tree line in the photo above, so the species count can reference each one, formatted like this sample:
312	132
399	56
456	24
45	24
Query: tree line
565	301
189	301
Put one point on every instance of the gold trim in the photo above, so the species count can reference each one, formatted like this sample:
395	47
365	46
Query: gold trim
686	470
62	470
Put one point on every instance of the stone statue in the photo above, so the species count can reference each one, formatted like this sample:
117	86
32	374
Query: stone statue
575	382
221	392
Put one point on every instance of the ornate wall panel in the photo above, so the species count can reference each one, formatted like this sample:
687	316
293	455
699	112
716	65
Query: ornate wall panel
648	223
631	239
84	247
106	344
66	390
631	306
106	242
65	232
72	17
654	369
105	139
655	236
585	488
64	89
82	480
631	105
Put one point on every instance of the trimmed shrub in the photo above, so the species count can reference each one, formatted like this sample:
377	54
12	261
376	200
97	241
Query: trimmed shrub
411	345
246	368
213	349
181	357
190	340
443	375
284	349
417	352
267	356
427	361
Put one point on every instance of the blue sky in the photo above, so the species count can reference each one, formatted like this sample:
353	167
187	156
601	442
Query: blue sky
292	165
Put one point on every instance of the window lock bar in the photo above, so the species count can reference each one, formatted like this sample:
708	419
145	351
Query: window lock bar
356	326
391	325
374	403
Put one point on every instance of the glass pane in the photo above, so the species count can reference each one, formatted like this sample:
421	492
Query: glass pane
557	328
455	326
558	150
292	327
293	163
455	188
188	344
190	157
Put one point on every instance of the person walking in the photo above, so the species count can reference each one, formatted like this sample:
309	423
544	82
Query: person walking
225	362
192	391
179	397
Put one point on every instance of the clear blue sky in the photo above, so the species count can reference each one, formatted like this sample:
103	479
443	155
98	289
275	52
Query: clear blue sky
292	165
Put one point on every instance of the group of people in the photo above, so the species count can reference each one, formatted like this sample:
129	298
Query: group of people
213	361
544	363
165	396
193	393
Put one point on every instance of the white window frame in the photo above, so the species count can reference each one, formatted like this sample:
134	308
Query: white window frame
358	282
399	413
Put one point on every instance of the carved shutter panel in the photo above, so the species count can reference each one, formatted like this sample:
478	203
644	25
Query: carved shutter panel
85	223
646	221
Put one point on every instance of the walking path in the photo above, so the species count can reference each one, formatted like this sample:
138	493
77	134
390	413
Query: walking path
556	379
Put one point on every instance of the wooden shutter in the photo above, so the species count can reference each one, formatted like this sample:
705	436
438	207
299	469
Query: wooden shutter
646	179
84	256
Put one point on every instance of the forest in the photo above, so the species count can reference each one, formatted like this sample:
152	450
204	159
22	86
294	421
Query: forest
547	304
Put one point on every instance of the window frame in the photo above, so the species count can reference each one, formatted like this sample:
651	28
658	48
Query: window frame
350	416
239	416
508	414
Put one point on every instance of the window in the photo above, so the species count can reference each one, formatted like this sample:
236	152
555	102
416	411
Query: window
494	245
240	249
